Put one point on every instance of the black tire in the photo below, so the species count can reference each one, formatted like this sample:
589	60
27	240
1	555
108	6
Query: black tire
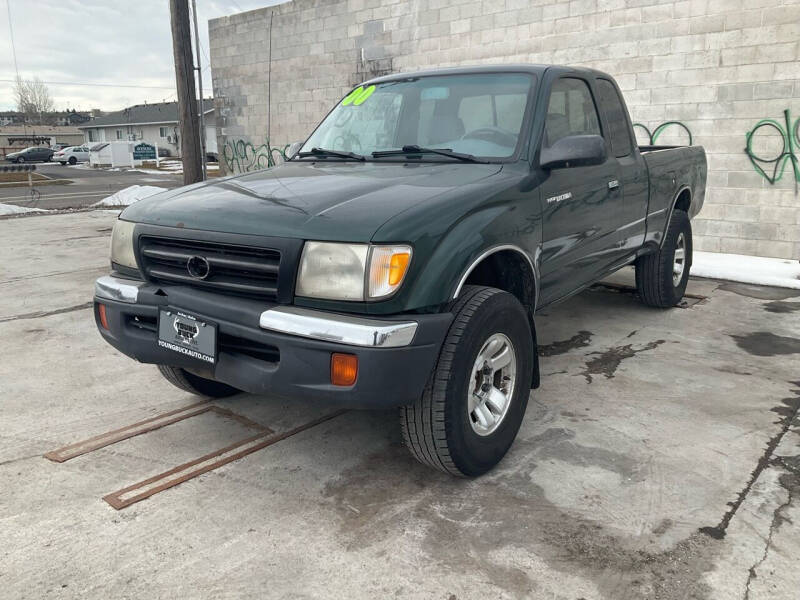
437	428
62	162
201	386
72	160
654	272
20	160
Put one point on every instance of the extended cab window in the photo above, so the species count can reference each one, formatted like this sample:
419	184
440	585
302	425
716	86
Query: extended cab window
616	116
571	111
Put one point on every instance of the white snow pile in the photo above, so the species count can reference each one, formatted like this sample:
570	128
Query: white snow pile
757	270
11	209
129	195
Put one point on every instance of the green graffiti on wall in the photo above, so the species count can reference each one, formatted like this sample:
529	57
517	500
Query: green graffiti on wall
241	156
790	140
653	136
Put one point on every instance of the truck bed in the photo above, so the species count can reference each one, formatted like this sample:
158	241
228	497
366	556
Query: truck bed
672	171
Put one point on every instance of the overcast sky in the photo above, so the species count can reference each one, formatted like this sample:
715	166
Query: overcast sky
113	42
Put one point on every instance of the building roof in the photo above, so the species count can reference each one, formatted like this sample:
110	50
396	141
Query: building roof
161	112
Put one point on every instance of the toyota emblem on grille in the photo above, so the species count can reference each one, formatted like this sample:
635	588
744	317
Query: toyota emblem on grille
198	267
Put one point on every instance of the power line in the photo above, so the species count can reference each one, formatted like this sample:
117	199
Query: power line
113	85
11	32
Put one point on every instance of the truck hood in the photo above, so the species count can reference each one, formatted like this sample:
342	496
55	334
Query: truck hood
341	201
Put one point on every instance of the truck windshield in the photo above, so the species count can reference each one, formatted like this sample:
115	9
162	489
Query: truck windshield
479	115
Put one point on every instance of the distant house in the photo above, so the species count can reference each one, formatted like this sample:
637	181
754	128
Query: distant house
11	117
70	117
152	123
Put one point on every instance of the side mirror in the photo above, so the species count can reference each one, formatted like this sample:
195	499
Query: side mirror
293	149
574	151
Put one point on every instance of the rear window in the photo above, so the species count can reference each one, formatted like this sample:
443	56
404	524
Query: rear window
616	116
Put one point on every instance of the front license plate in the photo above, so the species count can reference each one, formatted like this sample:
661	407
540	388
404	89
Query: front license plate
187	335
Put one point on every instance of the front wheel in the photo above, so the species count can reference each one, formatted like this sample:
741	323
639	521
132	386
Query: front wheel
20	160
72	160
470	412
188	382
661	277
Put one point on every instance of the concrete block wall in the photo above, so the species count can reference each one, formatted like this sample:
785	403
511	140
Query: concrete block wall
718	66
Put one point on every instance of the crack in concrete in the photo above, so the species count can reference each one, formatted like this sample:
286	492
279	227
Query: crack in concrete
776	519
792	405
54	274
46	313
19	459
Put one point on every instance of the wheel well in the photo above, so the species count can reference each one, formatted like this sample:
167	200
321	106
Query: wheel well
509	271
684	201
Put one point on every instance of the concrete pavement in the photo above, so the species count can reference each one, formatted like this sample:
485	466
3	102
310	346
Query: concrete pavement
659	459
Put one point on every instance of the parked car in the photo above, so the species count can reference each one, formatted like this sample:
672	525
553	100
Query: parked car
57	147
72	155
32	154
399	258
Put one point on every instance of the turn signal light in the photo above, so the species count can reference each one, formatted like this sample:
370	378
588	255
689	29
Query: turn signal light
101	311
344	369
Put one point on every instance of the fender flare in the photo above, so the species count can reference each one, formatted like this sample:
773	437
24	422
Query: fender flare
535	375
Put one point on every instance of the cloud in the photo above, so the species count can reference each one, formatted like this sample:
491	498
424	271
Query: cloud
116	43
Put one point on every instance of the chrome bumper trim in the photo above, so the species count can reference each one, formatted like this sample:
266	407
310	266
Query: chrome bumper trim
121	290
344	329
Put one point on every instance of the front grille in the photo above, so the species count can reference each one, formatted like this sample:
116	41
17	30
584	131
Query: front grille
235	269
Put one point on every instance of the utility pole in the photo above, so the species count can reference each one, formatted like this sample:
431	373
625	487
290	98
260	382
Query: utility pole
199	69
184	79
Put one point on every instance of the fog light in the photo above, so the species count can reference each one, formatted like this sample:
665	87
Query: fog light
344	369
101	311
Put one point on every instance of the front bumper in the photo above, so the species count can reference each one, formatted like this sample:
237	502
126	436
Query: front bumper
279	350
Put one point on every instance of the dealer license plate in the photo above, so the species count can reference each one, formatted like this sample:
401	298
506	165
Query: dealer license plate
188	335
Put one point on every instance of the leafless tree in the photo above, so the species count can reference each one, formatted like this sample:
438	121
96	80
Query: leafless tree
33	99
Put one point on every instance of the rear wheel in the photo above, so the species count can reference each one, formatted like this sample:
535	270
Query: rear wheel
470	412
20	160
661	277
201	386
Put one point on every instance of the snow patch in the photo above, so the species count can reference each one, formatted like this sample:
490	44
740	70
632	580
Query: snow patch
129	195
757	270
12	209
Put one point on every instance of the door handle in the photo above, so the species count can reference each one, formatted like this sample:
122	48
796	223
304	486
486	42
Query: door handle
613	184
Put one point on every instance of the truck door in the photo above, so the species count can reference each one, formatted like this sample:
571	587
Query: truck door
633	180
580	204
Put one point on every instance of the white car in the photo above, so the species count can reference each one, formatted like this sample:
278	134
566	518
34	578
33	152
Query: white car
71	155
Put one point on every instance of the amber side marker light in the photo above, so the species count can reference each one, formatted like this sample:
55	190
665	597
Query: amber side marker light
344	369
101	311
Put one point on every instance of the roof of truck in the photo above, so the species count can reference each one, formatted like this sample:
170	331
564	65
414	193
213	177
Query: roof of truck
477	69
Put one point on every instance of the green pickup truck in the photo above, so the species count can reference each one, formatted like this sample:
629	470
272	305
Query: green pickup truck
399	257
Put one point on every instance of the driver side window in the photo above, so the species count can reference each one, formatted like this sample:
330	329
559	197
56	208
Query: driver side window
571	111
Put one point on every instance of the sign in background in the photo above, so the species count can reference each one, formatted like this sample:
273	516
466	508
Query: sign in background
144	152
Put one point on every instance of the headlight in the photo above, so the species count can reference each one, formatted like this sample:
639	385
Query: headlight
337	271
122	244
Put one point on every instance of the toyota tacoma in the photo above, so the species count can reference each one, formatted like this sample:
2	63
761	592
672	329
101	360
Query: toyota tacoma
399	257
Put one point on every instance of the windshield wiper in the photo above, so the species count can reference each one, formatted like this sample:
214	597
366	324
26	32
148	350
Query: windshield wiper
414	149
320	152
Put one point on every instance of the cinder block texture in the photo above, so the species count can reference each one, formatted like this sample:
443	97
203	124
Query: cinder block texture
718	66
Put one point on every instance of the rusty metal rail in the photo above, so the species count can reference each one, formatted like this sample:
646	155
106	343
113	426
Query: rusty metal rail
177	475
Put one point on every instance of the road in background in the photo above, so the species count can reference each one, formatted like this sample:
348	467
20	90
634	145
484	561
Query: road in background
89	186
